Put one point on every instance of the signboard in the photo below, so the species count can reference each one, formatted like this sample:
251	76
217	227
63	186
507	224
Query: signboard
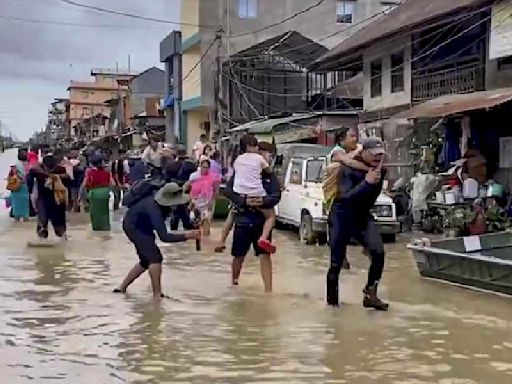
500	44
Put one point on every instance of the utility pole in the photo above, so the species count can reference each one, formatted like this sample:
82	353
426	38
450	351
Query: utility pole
171	55
218	88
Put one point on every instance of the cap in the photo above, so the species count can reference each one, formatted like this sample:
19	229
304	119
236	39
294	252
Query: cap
375	146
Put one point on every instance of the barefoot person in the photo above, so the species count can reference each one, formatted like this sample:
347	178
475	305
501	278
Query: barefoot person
140	223
350	217
247	181
249	222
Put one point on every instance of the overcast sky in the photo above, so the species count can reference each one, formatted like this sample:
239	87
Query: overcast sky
37	61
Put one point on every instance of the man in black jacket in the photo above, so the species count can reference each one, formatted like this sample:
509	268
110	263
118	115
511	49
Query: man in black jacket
249	222
350	217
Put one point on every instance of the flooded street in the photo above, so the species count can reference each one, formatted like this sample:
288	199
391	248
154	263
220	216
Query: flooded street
61	324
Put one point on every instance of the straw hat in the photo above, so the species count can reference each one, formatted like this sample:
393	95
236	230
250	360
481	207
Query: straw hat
170	195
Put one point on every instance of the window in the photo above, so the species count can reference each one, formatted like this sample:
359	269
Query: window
86	111
388	6
85	94
247	9
505	63
315	171
345	10
397	72
376	78
296	173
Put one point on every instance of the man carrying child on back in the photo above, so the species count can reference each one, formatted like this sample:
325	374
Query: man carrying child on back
248	168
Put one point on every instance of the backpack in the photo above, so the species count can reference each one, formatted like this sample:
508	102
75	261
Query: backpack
14	182
330	184
141	189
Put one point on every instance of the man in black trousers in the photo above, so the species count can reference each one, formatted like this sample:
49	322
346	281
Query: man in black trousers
350	218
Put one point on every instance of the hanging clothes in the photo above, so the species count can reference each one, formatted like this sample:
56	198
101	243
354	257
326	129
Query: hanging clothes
466	134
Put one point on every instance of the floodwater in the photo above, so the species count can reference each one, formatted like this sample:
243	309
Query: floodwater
61	324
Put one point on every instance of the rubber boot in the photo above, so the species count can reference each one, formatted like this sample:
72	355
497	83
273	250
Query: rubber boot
372	301
332	289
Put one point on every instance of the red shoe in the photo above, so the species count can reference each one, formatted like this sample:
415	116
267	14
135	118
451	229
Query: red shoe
267	246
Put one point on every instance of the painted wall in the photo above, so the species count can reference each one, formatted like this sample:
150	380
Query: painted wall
192	84
190	14
387	99
195	120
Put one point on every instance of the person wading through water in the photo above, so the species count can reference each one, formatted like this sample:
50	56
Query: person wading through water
51	203
249	221
145	217
350	218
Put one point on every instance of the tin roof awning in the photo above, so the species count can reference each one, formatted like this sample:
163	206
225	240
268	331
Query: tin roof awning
268	125
292	45
452	104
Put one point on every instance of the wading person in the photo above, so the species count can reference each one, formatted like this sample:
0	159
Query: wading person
98	182
249	221
145	217
120	171
204	185
17	184
350	218
247	181
51	200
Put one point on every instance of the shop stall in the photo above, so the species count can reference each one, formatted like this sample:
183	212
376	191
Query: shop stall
463	163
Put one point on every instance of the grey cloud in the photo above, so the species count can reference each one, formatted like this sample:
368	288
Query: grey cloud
37	59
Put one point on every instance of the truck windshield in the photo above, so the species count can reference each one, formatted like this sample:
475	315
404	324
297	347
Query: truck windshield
315	171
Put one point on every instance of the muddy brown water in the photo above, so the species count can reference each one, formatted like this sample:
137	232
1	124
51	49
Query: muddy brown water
61	324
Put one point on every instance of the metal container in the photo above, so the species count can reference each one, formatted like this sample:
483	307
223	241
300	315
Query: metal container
483	262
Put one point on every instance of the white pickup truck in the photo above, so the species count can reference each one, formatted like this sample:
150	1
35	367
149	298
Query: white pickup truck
302	202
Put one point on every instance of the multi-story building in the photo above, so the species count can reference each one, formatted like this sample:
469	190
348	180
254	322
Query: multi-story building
245	24
87	98
58	120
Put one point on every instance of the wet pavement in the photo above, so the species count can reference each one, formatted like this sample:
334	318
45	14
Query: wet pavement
61	324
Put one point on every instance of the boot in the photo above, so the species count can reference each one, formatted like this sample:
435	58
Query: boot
372	301
332	291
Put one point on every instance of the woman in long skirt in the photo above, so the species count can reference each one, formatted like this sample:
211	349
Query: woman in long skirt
98	182
20	201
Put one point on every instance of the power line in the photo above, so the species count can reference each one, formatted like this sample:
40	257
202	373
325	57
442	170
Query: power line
291	17
69	24
132	15
203	56
331	35
422	54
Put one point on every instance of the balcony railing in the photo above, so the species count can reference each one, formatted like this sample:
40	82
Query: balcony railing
465	79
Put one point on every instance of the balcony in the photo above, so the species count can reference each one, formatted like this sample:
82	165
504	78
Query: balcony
464	79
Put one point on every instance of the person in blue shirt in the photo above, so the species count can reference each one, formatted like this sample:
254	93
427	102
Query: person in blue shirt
140	223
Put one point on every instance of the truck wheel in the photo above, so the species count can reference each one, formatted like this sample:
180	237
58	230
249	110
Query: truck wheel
322	238
389	238
306	232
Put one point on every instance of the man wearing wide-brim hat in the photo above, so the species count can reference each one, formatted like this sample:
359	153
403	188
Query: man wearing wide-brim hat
145	217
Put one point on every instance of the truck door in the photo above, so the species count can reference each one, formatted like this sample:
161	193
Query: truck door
289	207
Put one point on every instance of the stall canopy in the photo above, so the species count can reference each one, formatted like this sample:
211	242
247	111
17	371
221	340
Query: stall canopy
452	104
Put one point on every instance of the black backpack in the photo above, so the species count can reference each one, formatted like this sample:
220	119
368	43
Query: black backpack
142	189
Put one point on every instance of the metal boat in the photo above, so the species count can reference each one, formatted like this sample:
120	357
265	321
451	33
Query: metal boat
483	262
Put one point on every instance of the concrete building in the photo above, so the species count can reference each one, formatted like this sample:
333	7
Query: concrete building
57	126
418	62
87	98
238	19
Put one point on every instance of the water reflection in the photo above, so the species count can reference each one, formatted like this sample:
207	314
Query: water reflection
62	324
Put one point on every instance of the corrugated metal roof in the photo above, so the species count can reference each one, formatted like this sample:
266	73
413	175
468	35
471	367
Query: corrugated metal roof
407	15
267	125
452	104
291	45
